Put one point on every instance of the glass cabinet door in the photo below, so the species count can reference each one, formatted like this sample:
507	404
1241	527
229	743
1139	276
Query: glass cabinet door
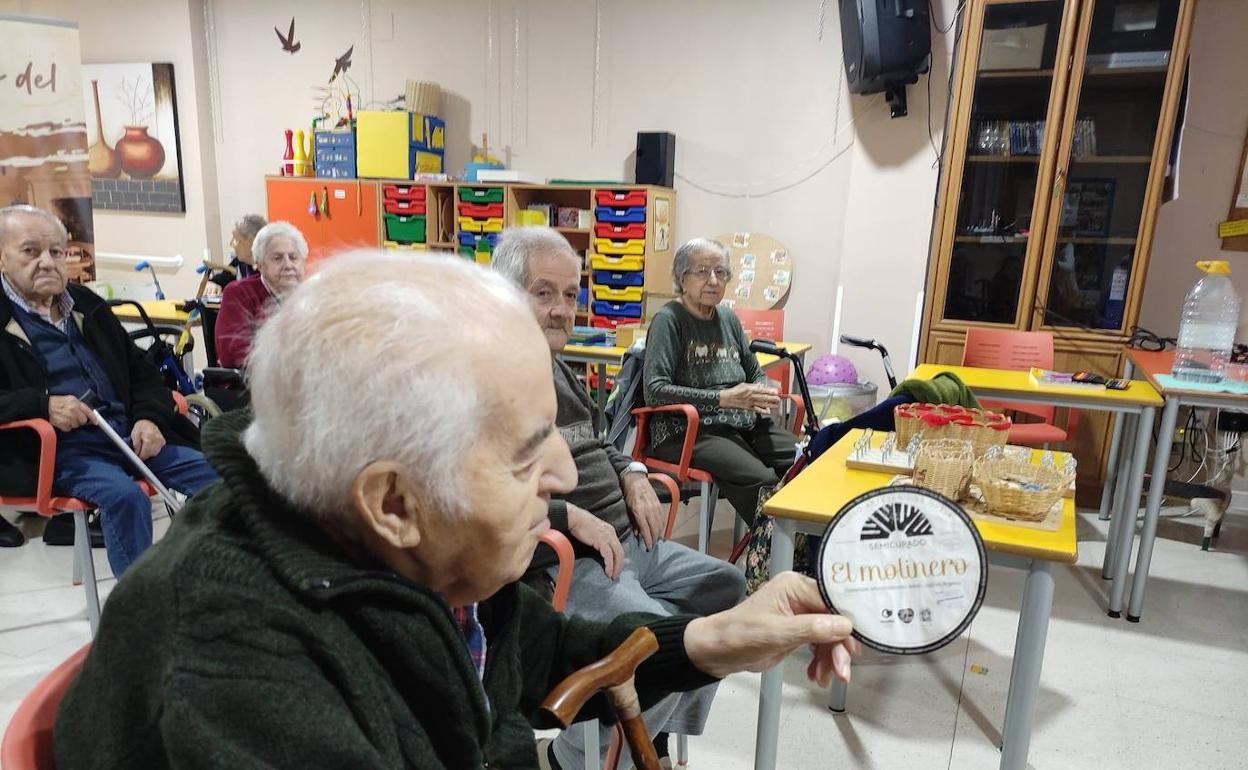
990	247
1105	162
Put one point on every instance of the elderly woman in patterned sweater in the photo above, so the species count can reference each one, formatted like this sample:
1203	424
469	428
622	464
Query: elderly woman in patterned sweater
697	353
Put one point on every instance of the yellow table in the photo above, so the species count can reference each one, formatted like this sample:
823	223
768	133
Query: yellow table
1137	405
160	311
815	497
601	356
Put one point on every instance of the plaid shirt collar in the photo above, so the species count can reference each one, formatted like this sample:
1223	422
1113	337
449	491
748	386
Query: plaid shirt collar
64	301
474	635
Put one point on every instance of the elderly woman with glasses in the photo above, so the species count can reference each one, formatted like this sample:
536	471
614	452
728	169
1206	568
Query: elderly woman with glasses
280	252
697	353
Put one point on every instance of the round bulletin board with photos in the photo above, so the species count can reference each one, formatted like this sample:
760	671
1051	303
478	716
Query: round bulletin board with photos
762	271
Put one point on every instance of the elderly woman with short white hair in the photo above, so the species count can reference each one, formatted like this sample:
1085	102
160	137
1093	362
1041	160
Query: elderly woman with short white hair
280	252
697	353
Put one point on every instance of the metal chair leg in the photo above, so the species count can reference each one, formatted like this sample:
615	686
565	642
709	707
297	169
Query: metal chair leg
682	750
738	529
706	512
83	561
837	695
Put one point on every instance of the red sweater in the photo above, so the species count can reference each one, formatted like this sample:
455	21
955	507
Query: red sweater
244	304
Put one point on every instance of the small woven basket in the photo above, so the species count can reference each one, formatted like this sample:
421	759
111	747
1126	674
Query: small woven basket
1018	489
944	465
983	429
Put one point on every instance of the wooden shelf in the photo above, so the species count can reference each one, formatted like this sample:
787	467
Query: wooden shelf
1125	71
574	230
1098	240
1021	74
991	238
442	245
1002	158
1107	159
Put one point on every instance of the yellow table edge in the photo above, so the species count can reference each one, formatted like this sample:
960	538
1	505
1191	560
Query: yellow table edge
1003	381
159	310
819	492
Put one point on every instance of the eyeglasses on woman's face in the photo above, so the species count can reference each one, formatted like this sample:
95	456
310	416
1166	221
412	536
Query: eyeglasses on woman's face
703	273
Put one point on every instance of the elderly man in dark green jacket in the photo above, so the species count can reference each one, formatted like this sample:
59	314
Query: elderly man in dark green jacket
345	597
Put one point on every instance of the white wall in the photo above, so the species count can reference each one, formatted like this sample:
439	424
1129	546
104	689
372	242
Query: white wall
155	31
1217	119
768	138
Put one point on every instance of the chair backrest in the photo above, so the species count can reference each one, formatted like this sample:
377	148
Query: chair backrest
1013	350
208	322
762	324
28	739
766	325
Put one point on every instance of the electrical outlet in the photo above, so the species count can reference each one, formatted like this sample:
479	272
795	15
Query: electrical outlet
1233	422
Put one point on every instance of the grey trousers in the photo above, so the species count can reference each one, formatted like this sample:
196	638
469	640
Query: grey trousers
671	579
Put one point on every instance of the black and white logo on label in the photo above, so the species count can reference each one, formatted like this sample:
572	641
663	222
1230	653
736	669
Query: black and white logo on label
906	566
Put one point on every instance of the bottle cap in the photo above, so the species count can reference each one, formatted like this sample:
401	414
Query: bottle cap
1215	266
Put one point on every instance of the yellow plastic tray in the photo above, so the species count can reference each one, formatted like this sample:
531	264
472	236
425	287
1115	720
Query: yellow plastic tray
627	294
608	246
615	264
470	225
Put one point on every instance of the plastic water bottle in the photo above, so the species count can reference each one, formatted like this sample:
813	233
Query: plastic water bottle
1207	328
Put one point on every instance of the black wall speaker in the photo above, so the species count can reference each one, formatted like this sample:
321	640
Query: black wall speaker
887	44
656	158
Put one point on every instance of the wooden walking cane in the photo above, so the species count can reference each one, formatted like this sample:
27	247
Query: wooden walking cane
614	674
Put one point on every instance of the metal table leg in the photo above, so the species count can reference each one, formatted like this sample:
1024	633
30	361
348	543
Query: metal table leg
1115	445
1126	530
602	390
1161	460
769	695
1119	503
1033	629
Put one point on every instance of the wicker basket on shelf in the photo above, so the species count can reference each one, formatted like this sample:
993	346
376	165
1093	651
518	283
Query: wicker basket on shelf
944	465
1017	489
983	429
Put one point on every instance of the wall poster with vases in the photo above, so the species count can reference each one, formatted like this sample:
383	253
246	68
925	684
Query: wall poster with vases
43	138
132	137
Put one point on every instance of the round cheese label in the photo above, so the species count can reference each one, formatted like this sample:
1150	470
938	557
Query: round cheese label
907	566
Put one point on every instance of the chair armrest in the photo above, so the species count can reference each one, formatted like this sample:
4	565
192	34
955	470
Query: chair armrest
47	459
674	489
567	559
223	376
799	411
691	432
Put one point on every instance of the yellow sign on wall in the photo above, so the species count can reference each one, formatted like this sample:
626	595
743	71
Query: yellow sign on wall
1232	228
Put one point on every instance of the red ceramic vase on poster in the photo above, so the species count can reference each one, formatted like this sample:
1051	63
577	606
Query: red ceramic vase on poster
141	155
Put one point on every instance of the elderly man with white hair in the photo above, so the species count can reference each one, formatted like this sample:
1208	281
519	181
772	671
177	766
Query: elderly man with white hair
347	596
280	253
625	565
58	341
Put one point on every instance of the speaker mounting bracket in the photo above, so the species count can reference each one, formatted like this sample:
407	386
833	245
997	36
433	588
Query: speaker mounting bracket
895	95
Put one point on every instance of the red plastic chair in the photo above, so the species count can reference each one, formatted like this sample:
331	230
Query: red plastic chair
48	505
683	470
767	325
1020	351
28	740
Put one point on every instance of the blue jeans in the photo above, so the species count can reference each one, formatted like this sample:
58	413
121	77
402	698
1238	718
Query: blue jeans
90	468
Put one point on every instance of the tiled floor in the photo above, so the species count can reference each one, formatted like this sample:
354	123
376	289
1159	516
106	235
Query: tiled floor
1168	692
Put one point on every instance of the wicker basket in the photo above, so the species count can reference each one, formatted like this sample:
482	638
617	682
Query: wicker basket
983	429
1018	489
944	465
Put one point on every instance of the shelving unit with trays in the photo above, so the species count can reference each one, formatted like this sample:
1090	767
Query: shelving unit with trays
404	216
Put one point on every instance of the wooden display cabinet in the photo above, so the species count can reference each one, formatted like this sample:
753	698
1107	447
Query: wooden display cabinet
1060	128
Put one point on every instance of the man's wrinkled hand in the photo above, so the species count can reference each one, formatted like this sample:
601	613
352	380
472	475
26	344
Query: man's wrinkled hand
146	439
647	512
599	535
786	613
67	412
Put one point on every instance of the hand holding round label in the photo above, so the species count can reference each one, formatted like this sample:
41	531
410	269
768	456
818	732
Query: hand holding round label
907	566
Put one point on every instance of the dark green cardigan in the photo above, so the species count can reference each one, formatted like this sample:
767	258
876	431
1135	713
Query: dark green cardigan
244	639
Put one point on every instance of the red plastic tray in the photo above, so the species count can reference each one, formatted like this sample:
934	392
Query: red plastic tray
481	210
620	198
620	232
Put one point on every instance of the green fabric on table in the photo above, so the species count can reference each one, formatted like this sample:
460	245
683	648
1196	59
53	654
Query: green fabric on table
1235	387
944	388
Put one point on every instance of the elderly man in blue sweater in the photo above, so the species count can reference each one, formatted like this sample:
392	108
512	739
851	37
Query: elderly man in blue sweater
613	515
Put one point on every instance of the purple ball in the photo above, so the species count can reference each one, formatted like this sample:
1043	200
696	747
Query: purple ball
832	370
